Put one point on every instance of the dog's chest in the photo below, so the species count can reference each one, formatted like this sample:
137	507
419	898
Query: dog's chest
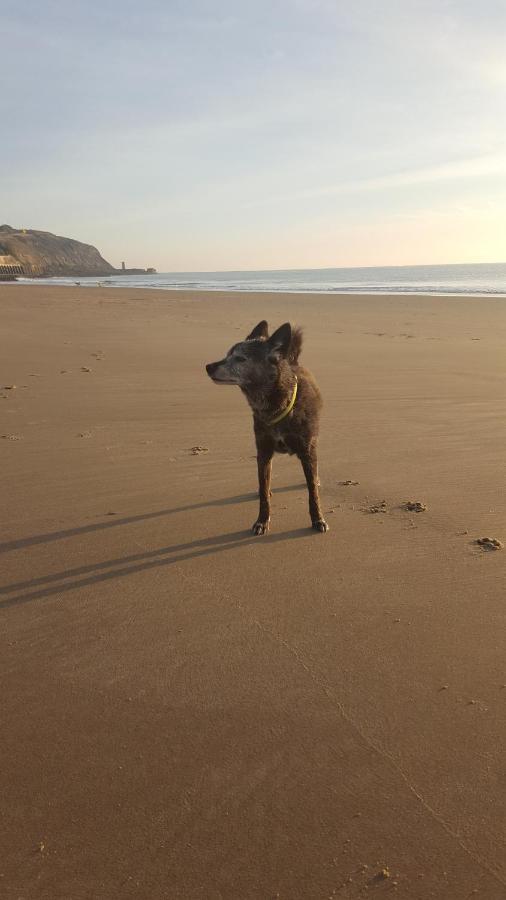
280	444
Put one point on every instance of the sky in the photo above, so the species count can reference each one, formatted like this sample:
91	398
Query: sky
271	134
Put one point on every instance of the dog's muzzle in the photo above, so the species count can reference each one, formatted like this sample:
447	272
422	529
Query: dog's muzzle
211	369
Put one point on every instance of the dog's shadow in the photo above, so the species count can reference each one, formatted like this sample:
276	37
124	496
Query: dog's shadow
130	520
83	576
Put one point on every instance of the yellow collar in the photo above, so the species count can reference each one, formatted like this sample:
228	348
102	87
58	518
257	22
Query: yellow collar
288	409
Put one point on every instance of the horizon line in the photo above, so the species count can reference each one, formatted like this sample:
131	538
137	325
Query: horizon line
326	268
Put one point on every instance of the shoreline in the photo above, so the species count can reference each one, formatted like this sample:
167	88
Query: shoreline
213	291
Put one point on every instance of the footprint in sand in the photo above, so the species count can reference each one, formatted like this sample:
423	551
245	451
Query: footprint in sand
414	506
348	482
380	507
488	543
11	437
196	450
85	369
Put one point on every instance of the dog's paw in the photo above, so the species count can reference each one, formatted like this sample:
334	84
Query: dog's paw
320	525
261	527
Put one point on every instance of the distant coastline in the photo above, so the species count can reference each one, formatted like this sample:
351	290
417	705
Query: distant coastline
42	254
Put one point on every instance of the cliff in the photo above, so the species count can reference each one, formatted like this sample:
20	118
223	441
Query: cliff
41	253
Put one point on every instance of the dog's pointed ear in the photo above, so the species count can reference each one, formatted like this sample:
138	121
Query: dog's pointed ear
260	331
281	339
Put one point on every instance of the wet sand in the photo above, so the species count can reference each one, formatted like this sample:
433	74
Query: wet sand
192	712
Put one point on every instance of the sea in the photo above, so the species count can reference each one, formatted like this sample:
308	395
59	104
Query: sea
470	279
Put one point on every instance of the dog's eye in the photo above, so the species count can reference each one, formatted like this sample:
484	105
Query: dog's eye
240	358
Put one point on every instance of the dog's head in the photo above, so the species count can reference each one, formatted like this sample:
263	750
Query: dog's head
259	362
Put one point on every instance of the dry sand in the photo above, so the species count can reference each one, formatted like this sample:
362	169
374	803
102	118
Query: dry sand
191	712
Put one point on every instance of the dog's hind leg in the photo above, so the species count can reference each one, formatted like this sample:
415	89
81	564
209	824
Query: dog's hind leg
264	459
309	462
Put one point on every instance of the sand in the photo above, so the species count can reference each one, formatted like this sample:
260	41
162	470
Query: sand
192	712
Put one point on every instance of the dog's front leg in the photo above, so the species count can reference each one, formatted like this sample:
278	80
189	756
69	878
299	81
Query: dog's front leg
264	459
310	465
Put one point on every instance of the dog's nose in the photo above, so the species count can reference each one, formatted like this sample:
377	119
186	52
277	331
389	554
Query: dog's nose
210	367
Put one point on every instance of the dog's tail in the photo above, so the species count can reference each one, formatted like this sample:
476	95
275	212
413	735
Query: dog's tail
295	346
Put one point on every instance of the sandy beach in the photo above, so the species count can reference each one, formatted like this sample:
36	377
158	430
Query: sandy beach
189	711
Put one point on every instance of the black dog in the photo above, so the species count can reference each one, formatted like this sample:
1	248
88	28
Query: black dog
286	406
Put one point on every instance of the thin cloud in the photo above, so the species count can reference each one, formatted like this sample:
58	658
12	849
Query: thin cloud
477	167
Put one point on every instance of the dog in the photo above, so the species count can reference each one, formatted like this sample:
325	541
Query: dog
286	404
